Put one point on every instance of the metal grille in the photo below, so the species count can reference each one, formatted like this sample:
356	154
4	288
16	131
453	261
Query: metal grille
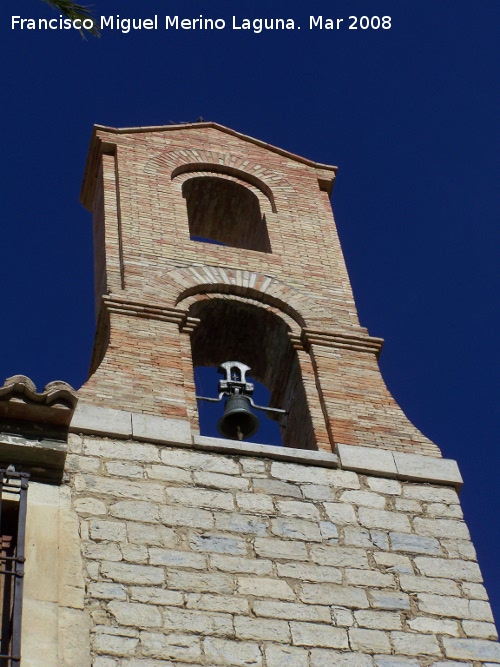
13	497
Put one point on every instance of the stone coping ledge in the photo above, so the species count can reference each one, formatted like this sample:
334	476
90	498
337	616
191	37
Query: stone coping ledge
306	456
399	465
94	420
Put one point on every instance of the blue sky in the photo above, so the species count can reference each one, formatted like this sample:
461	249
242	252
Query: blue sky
406	113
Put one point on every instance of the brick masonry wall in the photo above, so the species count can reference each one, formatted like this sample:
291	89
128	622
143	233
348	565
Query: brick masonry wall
211	560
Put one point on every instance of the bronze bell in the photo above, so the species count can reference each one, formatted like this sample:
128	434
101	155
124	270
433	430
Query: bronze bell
238	421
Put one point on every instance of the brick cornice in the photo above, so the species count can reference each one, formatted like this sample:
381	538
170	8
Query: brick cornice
341	340
113	304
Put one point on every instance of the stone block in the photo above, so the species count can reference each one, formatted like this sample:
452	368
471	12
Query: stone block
156	596
370	578
442	528
232	653
393	600
135	510
285	656
408	643
318	492
202	582
176	515
471	649
120	488
263	587
149	534
310	572
389	487
276	548
120	450
416	584
292	611
108	530
90	506
135	614
133	574
296	529
378	620
238	565
174	558
217	500
169	474
103	590
397	661
363	498
415	544
188	459
340	513
241	523
330	594
219	544
260	629
216	480
160	429
459	570
124	469
104	551
414	467
480	610
434	626
339	556
387	520
225	603
393	562
298	509
431	494
315	634
367	460
369	641
172	646
114	644
442	605
311	475
199	622
255	503
134	553
323	657
96	420
480	629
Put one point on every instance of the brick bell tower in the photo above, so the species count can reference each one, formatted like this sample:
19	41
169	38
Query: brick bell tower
345	546
273	291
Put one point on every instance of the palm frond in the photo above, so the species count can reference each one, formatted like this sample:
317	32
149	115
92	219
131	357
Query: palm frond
74	11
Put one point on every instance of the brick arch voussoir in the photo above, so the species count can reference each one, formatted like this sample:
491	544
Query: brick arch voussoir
198	159
197	280
189	301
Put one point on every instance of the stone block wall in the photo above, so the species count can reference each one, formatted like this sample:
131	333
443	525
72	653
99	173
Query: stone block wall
204	559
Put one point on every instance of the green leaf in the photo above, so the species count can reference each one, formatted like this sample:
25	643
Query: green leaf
74	12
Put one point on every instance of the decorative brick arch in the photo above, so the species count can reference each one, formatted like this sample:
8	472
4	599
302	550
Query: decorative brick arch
191	280
193	159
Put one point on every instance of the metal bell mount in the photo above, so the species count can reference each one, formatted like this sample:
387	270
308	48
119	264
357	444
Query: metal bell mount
238	421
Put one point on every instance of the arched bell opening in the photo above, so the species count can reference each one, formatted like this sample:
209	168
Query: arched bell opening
232	330
224	212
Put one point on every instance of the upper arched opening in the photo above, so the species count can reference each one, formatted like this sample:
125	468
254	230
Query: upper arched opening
225	212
